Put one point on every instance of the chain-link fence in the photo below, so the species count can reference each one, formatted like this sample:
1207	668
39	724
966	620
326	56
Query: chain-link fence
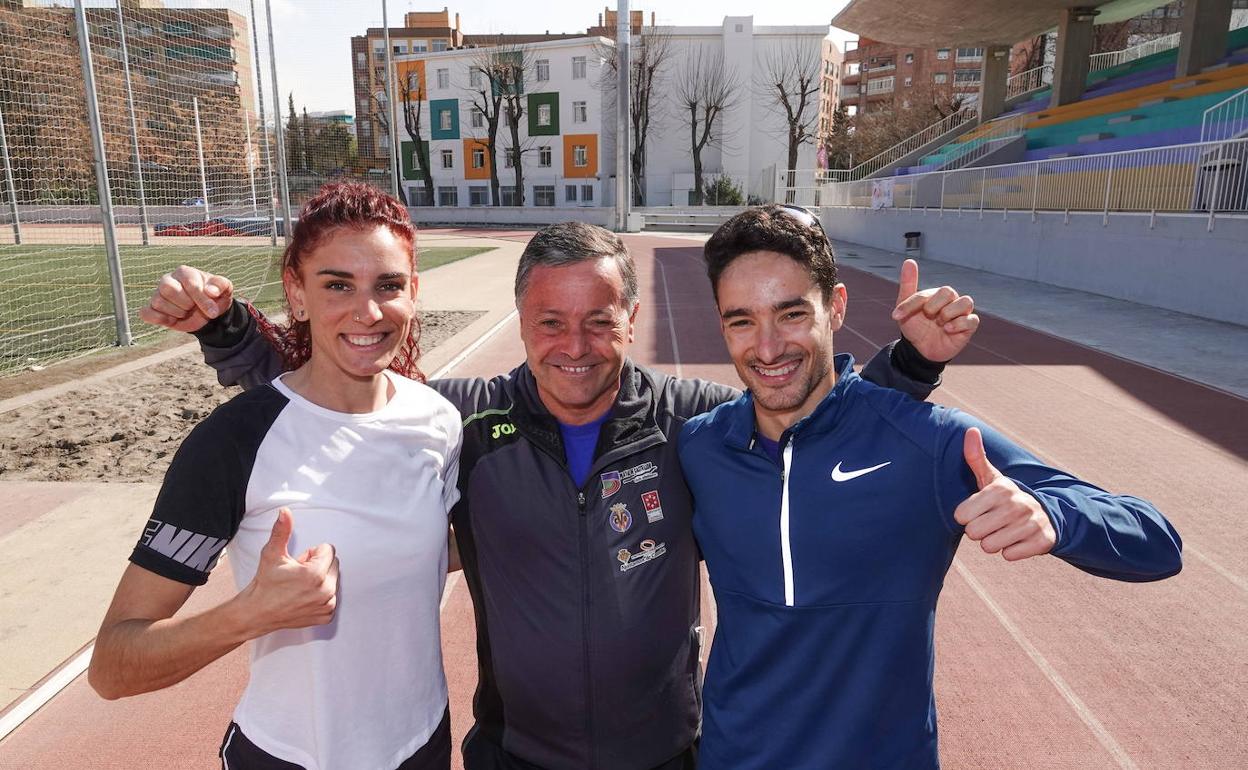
174	102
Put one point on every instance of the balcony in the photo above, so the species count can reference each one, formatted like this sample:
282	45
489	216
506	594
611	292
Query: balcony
880	69
881	86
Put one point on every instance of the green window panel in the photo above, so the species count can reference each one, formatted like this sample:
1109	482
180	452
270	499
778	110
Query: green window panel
444	118
544	114
411	171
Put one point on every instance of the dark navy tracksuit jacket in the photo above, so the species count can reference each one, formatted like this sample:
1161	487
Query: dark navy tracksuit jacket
826	571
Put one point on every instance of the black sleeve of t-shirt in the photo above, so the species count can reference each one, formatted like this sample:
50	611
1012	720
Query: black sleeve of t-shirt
201	502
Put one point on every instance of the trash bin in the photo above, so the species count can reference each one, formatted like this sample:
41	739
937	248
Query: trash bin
914	243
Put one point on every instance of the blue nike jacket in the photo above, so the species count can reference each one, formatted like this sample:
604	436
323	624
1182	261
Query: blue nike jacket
826	571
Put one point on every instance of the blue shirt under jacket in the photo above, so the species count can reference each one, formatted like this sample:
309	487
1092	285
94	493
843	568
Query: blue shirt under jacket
827	567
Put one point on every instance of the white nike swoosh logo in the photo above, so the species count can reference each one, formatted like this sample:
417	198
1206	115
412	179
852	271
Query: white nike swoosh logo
839	475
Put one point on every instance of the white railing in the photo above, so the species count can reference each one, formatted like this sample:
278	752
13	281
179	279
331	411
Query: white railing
891	155
1209	178
1029	80
988	138
1225	120
1103	61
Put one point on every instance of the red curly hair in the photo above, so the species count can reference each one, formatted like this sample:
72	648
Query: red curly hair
338	205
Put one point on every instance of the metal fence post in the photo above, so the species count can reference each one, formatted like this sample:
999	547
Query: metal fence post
134	127
1217	183
112	255
983	191
1109	186
199	148
943	177
277	126
391	117
264	130
12	189
251	166
1035	192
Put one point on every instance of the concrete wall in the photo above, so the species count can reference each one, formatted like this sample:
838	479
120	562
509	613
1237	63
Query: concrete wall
1176	265
754	134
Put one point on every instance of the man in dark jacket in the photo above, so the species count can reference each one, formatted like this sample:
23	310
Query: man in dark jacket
574	524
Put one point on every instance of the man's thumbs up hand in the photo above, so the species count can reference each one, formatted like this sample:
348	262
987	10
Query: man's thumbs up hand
1002	517
288	592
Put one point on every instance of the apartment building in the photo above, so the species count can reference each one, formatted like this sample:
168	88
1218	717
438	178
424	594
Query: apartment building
881	76
566	147
422	32
434	32
179	58
832	70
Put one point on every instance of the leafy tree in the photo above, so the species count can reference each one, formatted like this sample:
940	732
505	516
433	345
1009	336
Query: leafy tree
295	156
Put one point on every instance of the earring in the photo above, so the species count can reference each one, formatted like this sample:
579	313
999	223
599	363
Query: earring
301	314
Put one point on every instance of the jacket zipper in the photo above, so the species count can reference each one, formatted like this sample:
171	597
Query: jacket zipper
786	553
585	620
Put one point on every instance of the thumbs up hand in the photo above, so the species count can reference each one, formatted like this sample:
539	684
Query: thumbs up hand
288	592
938	322
1002	517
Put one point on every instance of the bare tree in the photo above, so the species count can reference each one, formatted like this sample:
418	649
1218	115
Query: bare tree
705	89
510	64
874	132
413	95
648	57
488	76
789	78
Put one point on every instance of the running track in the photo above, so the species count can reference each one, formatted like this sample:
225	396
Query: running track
1038	665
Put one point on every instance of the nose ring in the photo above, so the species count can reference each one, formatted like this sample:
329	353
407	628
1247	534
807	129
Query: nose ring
357	317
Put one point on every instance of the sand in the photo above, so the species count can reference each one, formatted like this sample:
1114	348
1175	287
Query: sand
126	428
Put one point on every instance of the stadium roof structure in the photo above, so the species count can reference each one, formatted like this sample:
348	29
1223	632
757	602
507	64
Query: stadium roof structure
934	23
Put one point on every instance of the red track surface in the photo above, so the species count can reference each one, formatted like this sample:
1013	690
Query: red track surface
1039	665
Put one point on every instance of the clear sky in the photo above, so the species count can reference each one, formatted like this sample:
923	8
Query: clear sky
314	48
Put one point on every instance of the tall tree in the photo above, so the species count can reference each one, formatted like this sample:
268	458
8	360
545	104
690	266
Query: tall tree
294	138
412	119
705	89
309	161
509	66
789	78
837	141
648	57
487	98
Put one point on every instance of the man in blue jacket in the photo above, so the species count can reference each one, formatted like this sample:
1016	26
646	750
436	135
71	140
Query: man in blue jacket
829	510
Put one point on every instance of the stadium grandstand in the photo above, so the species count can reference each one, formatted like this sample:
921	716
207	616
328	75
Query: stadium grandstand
1123	174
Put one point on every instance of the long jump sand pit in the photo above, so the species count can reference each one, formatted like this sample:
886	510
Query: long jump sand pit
126	428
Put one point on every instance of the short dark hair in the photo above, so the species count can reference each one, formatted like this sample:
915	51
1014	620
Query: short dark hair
773	228
567	243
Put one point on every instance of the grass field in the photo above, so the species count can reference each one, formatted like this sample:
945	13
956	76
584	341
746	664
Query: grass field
55	300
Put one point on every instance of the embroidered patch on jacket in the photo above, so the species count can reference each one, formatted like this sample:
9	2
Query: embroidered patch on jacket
649	552
621	519
610	483
654	511
614	481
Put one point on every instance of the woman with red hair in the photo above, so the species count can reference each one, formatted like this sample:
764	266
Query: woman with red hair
344	465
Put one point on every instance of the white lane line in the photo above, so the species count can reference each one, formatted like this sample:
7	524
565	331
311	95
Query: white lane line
478	342
27	706
1102	735
671	321
1084	713
452	580
1054	457
45	692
